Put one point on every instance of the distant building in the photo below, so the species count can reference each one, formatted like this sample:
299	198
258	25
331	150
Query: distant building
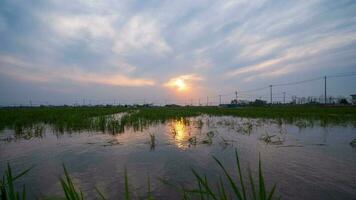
353	99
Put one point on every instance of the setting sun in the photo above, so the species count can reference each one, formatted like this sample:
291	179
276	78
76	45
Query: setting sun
184	83
180	85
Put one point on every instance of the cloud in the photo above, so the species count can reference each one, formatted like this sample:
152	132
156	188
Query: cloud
77	26
140	33
295	54
3	24
23	71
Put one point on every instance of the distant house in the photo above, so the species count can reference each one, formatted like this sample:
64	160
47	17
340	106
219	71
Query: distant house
353	99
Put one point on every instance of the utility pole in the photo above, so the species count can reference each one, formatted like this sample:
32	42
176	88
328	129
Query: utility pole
324	89
284	97
271	93
219	99
207	100
236	95
191	102
199	102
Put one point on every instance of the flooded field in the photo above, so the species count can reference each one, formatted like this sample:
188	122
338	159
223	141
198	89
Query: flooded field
307	159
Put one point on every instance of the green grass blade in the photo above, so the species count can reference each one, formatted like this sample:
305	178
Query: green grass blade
22	173
10	184
149	196
222	191
232	183
270	196
252	184
240	175
204	184
127	192
100	193
68	187
261	180
23	192
200	189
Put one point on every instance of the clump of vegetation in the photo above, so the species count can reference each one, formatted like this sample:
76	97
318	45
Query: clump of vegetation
199	124
271	139
152	141
192	140
353	143
70	192
61	118
206	190
7	187
209	139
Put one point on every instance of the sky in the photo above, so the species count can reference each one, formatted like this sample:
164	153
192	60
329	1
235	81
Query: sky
76	51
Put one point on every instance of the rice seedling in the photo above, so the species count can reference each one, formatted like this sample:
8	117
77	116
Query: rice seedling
127	192
267	138
152	141
192	140
149	192
247	128
224	143
228	188
7	187
199	124
70	192
210	134
209	139
272	139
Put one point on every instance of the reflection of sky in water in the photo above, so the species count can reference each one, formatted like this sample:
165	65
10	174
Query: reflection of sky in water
306	165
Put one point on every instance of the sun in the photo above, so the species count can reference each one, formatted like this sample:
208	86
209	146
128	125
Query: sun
180	84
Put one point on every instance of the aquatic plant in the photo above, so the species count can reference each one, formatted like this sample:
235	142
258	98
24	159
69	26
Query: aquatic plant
205	189
353	143
192	140
209	139
7	188
271	139
152	141
70	192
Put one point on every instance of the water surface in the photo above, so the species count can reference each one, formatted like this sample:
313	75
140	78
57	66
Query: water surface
306	160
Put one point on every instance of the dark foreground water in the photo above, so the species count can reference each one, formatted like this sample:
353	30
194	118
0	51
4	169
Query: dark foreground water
307	161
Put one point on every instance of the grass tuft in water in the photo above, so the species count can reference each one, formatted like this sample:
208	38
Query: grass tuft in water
68	187
353	143
152	141
7	188
239	190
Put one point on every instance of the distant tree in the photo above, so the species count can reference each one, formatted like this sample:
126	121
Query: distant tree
259	102
343	101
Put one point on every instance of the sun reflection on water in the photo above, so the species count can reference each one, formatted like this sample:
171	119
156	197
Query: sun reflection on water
180	132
